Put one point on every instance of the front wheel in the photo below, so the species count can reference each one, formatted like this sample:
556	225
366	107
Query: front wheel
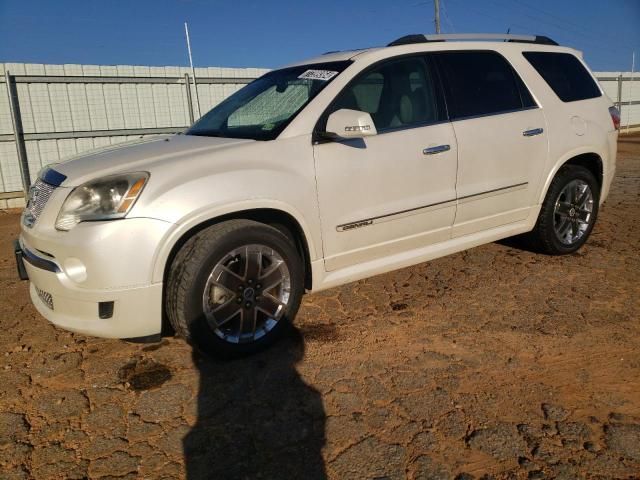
568	213
233	287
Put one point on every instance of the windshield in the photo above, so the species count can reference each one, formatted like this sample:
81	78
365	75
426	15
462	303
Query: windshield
263	108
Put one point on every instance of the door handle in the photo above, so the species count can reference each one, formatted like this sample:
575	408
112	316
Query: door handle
533	132
438	149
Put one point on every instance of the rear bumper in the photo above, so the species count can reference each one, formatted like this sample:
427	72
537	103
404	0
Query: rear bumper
607	179
609	165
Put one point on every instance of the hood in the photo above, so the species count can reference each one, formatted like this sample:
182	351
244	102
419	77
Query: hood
139	156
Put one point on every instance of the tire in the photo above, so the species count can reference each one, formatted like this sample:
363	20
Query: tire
234	255
564	210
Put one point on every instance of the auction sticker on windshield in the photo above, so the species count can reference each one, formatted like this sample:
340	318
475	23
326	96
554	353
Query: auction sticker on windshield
323	75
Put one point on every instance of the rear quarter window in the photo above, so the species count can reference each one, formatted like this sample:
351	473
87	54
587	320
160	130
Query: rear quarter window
565	74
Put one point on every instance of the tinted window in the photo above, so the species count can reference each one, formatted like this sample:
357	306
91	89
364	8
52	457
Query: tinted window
397	93
564	73
481	83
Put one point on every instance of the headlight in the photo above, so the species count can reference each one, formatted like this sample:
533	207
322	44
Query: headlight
103	199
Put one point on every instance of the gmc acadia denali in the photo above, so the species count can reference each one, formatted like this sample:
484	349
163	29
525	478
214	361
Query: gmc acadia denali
317	174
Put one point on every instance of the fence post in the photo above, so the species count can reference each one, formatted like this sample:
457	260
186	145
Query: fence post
619	102
18	132
187	85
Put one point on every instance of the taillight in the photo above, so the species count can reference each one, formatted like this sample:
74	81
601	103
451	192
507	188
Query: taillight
615	117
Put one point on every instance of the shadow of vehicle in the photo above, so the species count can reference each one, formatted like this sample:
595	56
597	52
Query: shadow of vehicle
520	242
256	418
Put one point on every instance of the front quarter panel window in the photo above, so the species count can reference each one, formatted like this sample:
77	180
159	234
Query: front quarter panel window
398	93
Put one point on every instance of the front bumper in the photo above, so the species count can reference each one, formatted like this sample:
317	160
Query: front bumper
137	312
96	279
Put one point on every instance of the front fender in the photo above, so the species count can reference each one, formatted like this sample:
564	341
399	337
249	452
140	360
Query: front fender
203	186
206	215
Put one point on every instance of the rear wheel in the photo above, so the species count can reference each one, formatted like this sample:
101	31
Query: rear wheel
568	213
234	287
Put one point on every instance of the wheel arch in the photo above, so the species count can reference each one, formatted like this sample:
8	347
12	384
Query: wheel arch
588	158
278	218
592	162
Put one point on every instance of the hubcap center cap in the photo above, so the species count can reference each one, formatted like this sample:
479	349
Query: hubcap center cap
572	212
249	293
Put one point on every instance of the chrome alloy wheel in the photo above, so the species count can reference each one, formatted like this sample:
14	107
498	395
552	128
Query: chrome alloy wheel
573	212
246	293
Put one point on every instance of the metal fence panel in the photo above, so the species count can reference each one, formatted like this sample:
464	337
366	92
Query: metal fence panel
75	108
69	109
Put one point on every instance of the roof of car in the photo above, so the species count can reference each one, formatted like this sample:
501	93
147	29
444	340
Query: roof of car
420	42
337	56
445	37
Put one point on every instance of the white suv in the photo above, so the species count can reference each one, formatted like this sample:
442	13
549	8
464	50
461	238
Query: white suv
324	172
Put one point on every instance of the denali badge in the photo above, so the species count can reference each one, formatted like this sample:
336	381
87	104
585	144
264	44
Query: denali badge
351	226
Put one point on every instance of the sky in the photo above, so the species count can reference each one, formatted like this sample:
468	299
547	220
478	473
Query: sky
269	33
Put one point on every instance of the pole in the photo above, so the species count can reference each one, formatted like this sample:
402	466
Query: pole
633	67
193	70
436	4
18	132
619	102
187	84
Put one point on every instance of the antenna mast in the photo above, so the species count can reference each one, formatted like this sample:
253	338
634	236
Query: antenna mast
193	70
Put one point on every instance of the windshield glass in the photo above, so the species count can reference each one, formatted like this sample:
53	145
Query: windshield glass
263	108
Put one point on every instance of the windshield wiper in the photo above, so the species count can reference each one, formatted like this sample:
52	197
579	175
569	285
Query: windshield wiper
205	134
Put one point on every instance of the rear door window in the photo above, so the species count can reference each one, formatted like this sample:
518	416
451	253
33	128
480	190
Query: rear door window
480	83
565	74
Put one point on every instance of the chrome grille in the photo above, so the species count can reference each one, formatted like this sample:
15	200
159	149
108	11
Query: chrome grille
45	297
39	195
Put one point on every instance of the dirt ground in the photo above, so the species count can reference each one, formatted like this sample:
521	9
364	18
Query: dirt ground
492	363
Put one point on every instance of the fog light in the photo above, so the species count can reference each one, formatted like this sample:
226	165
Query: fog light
75	269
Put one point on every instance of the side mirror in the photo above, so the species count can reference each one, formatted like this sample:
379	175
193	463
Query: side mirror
346	123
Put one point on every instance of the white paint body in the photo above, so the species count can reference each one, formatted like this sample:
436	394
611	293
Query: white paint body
420	206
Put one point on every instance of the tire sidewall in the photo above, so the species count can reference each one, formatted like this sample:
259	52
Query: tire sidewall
200	333
566	175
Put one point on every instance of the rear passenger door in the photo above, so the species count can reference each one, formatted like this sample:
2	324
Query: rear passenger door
502	142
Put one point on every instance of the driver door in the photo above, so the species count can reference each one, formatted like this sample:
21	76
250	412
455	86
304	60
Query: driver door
396	191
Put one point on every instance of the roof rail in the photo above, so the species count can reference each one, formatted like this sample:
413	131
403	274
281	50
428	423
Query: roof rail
422	38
